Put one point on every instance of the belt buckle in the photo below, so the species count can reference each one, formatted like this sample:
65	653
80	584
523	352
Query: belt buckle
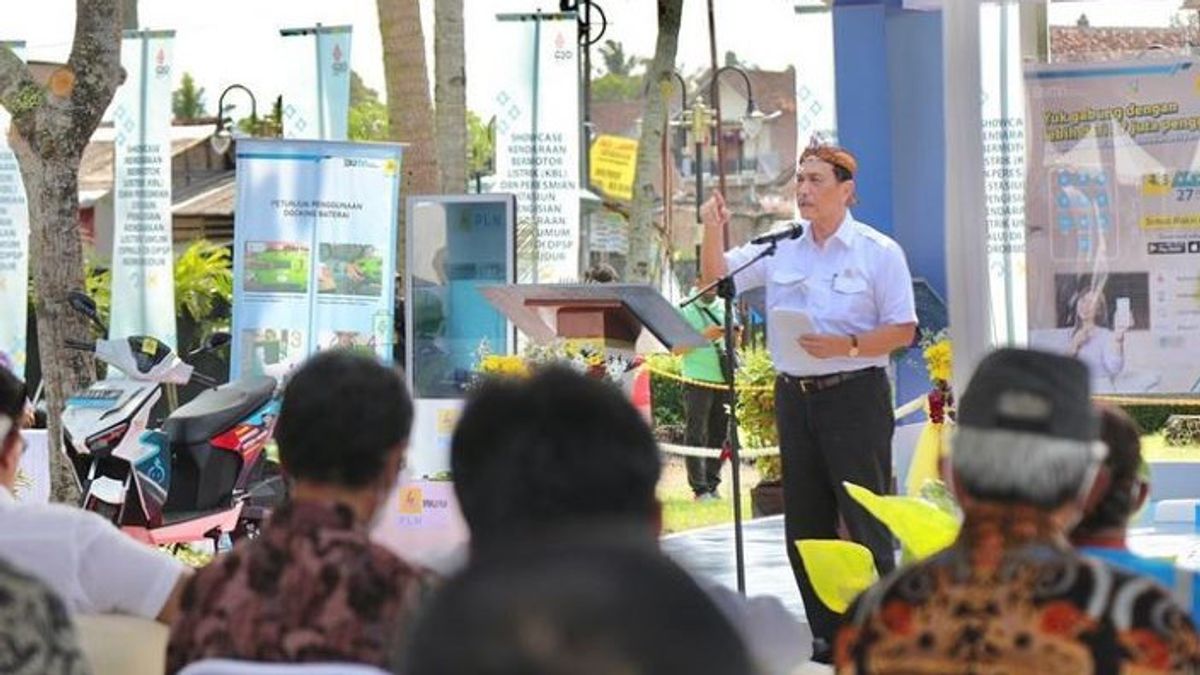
804	385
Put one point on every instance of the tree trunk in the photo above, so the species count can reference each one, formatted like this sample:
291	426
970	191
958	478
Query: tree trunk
647	237
129	12
410	112
450	94
51	125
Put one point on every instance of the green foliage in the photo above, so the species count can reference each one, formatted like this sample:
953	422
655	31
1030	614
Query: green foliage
666	394
481	151
615	61
756	408
187	102
203	277
368	116
97	283
614	87
270	126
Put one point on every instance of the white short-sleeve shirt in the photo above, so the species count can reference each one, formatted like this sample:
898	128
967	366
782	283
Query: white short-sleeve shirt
854	283
94	567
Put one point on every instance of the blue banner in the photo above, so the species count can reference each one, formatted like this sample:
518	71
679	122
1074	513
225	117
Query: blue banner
314	251
316	102
143	281
14	248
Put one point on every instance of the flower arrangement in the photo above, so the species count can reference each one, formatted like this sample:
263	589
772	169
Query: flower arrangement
586	357
935	347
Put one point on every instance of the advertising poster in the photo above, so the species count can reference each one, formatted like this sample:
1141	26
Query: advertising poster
536	103
314	251
613	164
14	248
143	281
316	97
1113	220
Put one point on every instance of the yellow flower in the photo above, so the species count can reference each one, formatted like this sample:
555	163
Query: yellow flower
939	360
497	364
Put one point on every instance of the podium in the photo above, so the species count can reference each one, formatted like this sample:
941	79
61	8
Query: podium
613	313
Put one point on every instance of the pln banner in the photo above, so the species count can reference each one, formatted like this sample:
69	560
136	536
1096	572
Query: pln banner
14	248
314	258
536	102
1113	220
143	283
316	98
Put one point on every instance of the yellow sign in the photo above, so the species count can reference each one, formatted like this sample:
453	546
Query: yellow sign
411	500
613	163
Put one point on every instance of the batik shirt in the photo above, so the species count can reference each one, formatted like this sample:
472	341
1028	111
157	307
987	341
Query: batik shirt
36	635
1011	597
312	587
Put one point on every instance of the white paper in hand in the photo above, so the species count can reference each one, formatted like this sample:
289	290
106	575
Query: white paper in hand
787	325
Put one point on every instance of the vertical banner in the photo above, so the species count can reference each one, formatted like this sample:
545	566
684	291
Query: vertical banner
14	248
316	101
143	284
816	96
1113	212
314	251
1004	166
536	102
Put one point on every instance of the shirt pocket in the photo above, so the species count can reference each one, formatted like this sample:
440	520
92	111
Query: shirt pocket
787	288
852	297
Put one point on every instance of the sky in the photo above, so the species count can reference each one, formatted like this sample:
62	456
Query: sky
221	42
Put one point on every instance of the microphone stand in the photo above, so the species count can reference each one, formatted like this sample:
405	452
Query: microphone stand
726	289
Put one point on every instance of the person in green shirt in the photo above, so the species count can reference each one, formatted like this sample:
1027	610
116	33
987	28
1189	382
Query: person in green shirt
706	402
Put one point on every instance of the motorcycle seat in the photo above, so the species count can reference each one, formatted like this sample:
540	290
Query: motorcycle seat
216	410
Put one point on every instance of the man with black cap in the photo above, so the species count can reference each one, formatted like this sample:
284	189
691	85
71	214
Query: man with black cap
1010	595
839	302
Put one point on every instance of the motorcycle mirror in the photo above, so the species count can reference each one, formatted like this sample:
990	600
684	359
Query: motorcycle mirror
83	303
217	340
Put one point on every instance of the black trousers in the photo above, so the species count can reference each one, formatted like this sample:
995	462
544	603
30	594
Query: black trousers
843	433
705	409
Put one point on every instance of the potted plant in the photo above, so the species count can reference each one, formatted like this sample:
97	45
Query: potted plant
756	425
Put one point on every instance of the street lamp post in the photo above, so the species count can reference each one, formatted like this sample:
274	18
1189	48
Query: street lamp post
751	121
223	134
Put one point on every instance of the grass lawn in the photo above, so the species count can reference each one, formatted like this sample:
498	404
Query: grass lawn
681	512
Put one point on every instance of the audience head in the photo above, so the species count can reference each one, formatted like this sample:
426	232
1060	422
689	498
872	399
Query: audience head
344	423
549	451
1027	431
575	608
601	273
13	414
1121	487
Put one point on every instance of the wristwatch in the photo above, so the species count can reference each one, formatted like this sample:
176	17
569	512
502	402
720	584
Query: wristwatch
853	346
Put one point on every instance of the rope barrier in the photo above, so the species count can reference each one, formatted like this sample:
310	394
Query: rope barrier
1147	400
703	383
754	453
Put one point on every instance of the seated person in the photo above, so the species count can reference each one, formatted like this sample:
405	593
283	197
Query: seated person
93	566
1121	492
1010	595
561	451
38	637
312	586
572	605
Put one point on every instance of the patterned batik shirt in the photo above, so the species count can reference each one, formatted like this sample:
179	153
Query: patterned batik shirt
36	634
312	587
1011	597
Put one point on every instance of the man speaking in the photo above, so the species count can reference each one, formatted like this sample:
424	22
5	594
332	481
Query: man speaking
839	301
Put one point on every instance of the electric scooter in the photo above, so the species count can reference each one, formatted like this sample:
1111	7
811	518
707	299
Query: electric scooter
205	473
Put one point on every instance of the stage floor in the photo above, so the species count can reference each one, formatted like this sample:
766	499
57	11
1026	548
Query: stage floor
708	553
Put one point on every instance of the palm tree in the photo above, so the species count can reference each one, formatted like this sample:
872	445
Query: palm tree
646	238
450	94
410	112
615	61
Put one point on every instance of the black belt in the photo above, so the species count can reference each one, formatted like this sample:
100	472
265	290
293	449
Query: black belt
815	383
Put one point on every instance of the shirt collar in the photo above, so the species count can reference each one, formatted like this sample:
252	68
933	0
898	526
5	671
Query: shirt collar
846	232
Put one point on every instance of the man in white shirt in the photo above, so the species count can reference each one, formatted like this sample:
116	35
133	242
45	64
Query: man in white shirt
849	285
88	562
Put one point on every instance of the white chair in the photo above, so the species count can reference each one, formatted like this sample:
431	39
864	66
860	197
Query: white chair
232	667
115	644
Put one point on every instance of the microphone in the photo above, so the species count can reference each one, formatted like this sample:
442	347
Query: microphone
793	231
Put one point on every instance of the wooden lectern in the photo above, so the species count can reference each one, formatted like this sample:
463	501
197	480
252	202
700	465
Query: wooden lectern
612	313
